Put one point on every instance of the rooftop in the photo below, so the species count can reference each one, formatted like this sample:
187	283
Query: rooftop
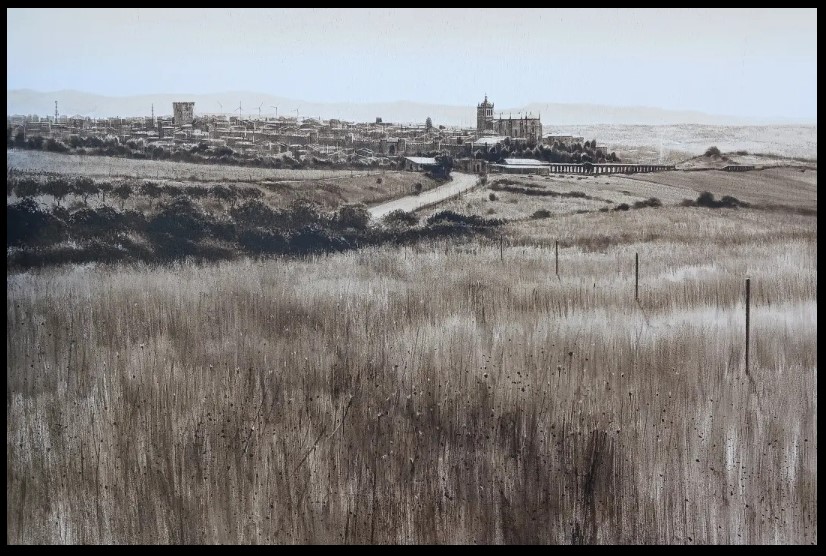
421	160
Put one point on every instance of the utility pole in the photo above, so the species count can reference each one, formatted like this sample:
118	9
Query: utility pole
55	112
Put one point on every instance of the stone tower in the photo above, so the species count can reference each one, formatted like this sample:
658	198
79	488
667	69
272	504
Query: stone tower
183	112
484	116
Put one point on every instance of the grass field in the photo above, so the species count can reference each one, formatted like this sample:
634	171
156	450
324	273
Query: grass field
783	189
112	167
438	394
329	188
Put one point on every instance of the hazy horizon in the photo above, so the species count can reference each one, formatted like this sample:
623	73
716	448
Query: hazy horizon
750	64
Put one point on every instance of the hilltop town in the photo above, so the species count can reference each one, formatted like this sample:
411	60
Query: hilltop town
292	142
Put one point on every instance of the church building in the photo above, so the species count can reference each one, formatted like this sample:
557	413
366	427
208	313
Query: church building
526	128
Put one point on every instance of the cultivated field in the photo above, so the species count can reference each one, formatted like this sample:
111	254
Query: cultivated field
783	189
444	393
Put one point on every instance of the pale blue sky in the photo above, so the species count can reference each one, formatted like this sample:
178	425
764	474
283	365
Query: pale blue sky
752	63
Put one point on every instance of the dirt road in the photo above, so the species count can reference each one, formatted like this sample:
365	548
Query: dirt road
460	183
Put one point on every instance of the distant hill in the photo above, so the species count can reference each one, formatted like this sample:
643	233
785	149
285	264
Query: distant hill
26	101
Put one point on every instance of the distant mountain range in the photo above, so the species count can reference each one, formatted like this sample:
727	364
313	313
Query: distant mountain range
26	101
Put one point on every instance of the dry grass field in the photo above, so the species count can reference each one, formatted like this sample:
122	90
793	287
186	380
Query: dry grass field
329	188
436	394
775	189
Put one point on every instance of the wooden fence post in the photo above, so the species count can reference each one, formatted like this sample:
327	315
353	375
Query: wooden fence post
748	318
556	252
636	277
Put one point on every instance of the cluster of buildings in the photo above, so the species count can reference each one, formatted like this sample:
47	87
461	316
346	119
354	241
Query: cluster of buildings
332	140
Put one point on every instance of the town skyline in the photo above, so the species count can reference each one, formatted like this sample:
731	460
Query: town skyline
85	104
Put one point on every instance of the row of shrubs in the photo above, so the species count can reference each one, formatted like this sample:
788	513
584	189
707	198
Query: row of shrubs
197	154
535	191
705	199
59	187
179	228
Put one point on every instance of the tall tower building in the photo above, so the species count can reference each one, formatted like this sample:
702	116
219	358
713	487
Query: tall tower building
183	112
484	116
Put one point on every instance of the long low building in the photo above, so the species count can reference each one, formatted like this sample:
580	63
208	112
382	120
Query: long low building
419	163
522	166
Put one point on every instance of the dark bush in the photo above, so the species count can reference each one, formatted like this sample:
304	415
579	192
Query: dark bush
172	190
28	224
622	206
196	191
304	213
400	219
712	151
259	240
732	202
707	200
56	146
255	214
179	219
352	216
225	194
104	222
652	202
541	213
315	239
26	187
250	193
493	196
450	217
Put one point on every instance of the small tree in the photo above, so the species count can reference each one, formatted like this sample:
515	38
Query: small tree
417	187
428	124
58	188
122	192
225	194
27	187
103	189
152	190
84	187
713	151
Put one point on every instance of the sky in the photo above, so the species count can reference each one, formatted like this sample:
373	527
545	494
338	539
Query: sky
751	63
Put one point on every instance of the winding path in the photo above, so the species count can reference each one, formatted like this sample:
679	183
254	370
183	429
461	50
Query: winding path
459	184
